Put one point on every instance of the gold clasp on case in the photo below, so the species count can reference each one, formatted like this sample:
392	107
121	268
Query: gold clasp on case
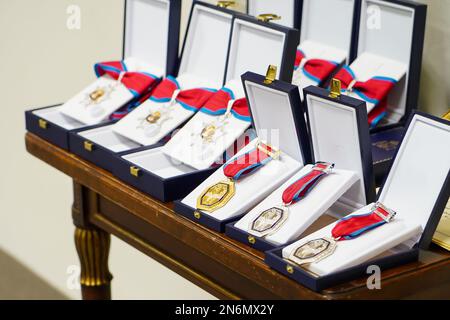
290	269
42	124
197	215
335	88
271	74
267	17
134	171
251	240
225	4
446	116
88	146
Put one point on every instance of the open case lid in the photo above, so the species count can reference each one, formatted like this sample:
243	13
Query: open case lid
256	44
329	22
287	10
206	43
151	33
418	184
395	29
340	134
277	115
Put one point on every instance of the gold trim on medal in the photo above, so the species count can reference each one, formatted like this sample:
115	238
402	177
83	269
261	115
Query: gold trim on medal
97	94
216	196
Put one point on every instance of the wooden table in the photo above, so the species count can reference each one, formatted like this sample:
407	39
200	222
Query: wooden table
103	205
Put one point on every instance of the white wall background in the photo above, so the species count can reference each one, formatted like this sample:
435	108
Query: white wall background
42	62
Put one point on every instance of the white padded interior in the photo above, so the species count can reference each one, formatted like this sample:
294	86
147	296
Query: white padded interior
147	32
411	189
131	125
206	47
76	109
283	8
386	30
309	209
253	48
54	115
251	189
328	22
356	251
419	170
155	161
105	137
273	119
335	138
187	145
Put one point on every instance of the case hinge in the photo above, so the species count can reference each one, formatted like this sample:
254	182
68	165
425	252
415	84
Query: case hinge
135	171
88	146
225	4
271	74
335	88
267	17
43	124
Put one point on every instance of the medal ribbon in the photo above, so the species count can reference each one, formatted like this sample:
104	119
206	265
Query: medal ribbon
375	90
315	69
300	188
355	225
190	99
137	82
218	103
247	163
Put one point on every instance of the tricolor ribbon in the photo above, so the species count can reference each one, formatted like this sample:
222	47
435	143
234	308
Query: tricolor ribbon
138	83
353	226
375	91
317	70
302	186
217	105
190	99
247	163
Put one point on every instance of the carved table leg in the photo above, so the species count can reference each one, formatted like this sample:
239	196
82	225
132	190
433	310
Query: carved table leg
92	246
93	250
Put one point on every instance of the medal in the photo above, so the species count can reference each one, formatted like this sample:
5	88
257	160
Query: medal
222	104
347	228
219	194
153	121
97	96
270	220
136	82
169	94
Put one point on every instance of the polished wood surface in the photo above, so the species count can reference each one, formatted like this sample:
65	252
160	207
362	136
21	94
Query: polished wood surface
214	262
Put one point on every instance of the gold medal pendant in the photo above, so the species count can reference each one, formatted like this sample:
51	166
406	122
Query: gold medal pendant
219	194
216	196
153	117
96	95
313	251
269	221
208	133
